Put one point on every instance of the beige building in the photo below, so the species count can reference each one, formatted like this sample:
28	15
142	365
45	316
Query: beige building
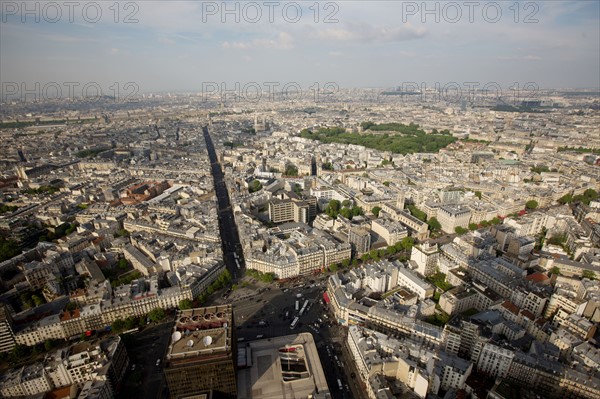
453	216
389	230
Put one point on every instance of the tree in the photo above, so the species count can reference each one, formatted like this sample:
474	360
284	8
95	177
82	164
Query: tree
460	230
123	263
565	199
357	211
589	274
185	304
157	315
346	212
20	351
531	204
478	194
590	193
416	212
48	345
555	270
298	189
375	211
255	186
26	300
291	170
495	220
37	300
346	203
333	208
473	226
8	249
434	224
118	325
374	254
407	243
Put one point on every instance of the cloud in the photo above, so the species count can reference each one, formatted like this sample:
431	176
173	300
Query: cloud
365	33
165	40
284	41
519	58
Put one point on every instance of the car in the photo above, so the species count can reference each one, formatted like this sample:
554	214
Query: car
157	362
133	367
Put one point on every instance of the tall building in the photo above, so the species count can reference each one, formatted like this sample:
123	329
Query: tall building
202	355
360	239
7	338
282	367
292	209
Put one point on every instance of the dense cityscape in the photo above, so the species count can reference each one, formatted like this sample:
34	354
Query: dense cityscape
406	241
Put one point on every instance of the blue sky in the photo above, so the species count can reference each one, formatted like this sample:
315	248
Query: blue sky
176	46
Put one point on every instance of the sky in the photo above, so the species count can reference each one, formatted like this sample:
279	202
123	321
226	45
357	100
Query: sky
187	45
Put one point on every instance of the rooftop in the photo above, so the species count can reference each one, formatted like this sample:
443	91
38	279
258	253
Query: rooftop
201	332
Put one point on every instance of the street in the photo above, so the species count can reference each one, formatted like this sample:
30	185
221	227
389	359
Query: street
145	379
262	311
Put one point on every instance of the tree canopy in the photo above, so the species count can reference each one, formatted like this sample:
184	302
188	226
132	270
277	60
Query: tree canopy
408	139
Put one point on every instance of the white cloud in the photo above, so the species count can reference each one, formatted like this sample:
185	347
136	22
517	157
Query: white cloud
519	58
365	33
284	41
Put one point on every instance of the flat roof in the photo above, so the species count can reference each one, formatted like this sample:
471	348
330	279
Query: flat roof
283	367
201	332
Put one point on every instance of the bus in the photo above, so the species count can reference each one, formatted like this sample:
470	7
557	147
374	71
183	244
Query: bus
304	307
294	323
340	384
297	306
237	263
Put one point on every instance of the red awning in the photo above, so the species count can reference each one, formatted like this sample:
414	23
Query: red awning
326	297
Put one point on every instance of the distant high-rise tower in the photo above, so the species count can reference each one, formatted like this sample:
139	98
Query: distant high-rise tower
202	355
260	124
21	173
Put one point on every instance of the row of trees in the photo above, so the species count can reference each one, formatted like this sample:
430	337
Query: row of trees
345	208
20	354
264	277
61	231
403	246
587	196
7	208
222	281
8	249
